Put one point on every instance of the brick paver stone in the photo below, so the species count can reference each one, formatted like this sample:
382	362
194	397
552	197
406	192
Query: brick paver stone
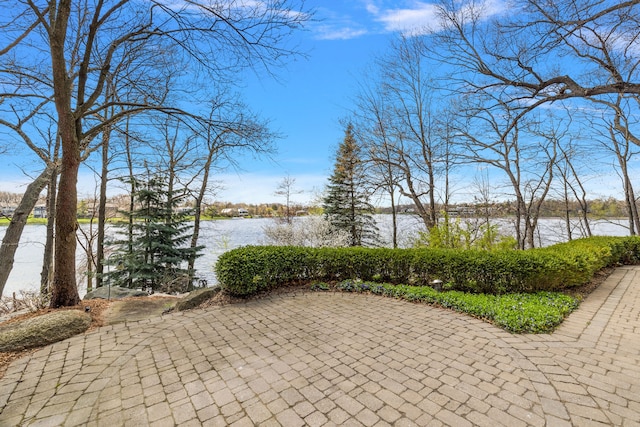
317	359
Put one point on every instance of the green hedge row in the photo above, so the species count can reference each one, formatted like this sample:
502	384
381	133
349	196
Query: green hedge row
250	269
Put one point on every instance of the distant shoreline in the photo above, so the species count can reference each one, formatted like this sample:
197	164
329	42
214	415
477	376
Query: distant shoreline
43	221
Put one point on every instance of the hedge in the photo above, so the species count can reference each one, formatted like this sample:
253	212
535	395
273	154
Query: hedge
250	269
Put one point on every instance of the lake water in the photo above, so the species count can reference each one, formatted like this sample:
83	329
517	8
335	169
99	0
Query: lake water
223	235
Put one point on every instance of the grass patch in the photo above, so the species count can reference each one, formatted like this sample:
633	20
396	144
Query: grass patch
539	312
4	221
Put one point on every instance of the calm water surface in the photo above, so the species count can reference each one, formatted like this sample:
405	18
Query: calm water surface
223	235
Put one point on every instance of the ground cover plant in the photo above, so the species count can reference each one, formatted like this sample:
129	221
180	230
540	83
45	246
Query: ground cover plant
538	312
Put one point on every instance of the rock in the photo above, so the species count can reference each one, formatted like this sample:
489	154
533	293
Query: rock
42	330
116	292
195	298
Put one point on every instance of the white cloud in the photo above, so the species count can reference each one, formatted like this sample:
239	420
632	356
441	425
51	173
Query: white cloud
419	18
328	32
334	25
371	7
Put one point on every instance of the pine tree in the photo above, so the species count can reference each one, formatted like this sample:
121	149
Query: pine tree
155	247
346	204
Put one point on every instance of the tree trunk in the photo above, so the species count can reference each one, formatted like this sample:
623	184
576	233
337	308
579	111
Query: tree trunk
102	206
65	290
197	216
634	220
433	214
47	259
16	226
567	211
422	211
394	219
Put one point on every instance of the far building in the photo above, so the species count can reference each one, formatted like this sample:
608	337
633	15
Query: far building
40	211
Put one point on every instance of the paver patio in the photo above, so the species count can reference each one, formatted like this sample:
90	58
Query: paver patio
339	359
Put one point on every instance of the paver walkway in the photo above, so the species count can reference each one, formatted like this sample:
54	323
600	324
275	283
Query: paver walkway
339	359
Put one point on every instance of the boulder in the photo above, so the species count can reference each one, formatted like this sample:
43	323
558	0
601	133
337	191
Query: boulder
42	330
116	292
195	298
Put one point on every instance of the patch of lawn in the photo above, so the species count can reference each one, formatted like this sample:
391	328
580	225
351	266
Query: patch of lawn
539	312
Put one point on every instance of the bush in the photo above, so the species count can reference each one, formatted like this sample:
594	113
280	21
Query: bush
315	231
245	271
468	234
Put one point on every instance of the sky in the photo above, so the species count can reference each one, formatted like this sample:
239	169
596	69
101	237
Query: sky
310	98
305	103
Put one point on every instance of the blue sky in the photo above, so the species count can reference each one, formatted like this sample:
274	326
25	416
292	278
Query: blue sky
305	103
312	95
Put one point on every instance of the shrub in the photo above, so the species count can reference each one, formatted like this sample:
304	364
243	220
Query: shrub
468	234
245	271
316	231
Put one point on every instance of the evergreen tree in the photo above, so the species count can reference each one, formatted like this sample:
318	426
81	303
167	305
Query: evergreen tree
346	204
154	250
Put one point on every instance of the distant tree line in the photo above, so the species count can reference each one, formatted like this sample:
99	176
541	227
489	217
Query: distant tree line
601	207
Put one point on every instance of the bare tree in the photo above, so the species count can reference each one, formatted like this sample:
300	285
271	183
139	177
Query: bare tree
230	127
484	197
84	44
524	51
619	137
535	53
409	90
47	152
18	220
46	276
372	126
385	177
395	113
573	188
286	188
494	137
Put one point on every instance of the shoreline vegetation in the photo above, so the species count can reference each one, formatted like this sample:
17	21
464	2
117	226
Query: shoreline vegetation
4	221
604	208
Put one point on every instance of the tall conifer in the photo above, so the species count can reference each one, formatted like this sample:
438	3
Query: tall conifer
155	251
346	204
